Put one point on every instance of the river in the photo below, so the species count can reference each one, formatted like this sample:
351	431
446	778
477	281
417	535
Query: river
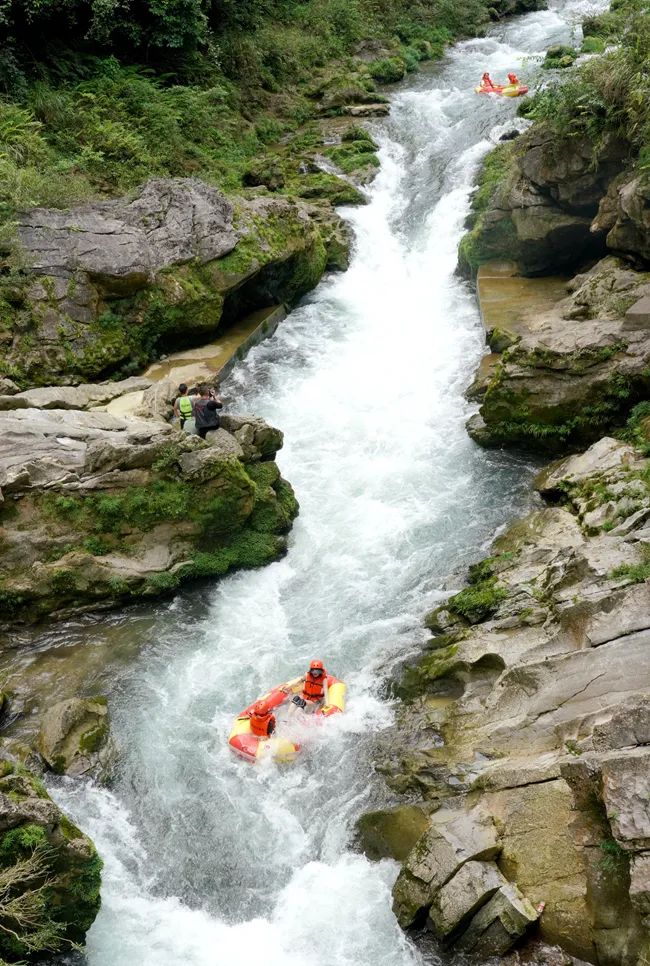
212	862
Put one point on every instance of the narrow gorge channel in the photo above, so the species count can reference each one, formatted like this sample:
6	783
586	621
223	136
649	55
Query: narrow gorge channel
209	862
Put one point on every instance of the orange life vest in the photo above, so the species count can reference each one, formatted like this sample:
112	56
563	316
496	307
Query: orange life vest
262	725
314	688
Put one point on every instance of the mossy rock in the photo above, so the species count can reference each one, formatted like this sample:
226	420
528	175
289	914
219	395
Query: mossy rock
74	737
559	56
46	838
391	833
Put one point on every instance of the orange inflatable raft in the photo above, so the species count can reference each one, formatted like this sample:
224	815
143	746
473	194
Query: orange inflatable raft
253	748
505	90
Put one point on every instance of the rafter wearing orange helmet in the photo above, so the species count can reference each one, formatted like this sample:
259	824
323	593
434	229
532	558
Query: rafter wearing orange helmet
262	720
315	682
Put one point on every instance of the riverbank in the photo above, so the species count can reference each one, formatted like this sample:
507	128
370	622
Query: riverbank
522	732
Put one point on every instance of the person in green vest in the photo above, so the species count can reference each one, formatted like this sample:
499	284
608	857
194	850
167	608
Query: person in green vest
183	405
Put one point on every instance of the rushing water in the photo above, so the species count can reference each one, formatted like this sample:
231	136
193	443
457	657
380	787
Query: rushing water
212	862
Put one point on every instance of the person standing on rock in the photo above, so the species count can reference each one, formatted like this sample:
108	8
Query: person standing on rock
205	408
183	405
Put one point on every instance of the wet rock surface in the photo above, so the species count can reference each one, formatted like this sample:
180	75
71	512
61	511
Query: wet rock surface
74	738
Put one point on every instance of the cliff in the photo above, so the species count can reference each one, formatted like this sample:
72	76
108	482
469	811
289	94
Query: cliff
528	716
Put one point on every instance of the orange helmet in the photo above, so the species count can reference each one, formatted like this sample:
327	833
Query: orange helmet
260	709
317	666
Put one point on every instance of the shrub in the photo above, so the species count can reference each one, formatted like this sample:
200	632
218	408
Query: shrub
388	70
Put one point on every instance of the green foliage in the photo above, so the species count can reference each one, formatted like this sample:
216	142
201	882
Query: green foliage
388	70
416	680
592	45
608	96
96	546
478	601
637	428
20	841
614	860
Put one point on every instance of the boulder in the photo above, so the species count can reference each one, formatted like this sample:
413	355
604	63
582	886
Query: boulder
629	723
158	401
121	244
499	924
537	203
638	315
606	454
391	833
74	737
467	891
200	465
436	857
630	232
626	793
108	286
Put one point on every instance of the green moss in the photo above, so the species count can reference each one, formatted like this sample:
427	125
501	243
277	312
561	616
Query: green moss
416	680
92	740
353	156
559	56
510	418
477	602
68	829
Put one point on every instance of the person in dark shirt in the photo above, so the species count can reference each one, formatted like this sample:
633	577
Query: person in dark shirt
206	416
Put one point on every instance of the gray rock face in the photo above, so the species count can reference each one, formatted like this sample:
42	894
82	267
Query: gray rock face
625	211
74	737
626	792
121	244
499	924
547	721
640	883
451	840
540	215
470	888
73	397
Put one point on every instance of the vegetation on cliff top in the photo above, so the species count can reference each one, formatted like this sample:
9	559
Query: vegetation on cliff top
609	95
100	99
